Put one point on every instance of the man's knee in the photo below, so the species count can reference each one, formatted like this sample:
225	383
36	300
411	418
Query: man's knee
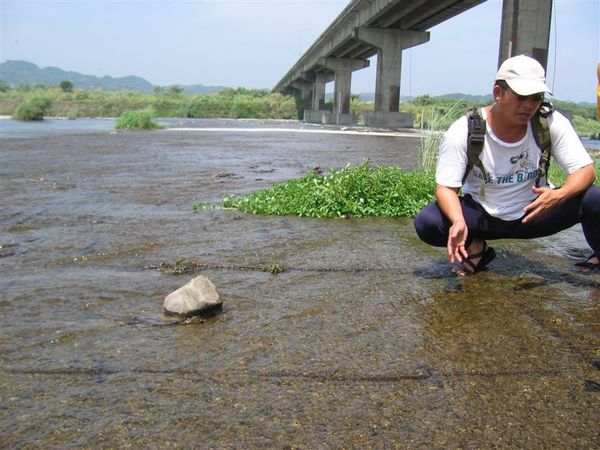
428	225
421	225
591	202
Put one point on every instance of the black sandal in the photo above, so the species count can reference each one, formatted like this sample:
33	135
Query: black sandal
487	254
588	266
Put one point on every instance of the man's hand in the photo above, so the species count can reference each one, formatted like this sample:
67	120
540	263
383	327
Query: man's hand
449	203
576	182
546	200
457	238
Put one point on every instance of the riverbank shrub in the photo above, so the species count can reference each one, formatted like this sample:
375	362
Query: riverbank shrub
240	104
33	108
137	120
435	113
357	191
586	127
66	86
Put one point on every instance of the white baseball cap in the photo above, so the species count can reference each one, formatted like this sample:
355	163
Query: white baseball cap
524	75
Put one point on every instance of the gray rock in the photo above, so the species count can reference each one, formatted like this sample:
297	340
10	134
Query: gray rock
196	297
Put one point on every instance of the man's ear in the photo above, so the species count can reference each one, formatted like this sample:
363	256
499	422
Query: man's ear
497	92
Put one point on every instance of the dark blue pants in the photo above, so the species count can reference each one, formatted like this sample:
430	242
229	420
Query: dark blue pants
432	226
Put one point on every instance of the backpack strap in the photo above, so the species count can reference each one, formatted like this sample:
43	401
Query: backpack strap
475	139
541	133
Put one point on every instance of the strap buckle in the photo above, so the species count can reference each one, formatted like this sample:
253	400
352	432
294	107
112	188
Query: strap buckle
546	108
477	128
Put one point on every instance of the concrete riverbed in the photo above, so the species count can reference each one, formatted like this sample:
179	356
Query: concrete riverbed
366	340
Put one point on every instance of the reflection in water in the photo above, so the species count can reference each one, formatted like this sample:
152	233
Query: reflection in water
366	340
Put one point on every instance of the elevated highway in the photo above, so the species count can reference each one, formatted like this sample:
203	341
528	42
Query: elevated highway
385	28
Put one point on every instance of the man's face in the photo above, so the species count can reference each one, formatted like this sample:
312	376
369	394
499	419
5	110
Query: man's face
519	109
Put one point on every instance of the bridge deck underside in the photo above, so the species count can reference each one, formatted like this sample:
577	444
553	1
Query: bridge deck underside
418	15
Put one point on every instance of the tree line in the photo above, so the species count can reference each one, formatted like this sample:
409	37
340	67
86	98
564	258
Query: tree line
33	103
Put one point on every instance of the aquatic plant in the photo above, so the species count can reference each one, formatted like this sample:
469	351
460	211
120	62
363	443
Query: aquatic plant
202	206
274	268
34	108
358	191
352	191
137	120
181	266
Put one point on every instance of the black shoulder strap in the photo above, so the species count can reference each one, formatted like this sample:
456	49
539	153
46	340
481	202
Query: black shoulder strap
475	139
541	133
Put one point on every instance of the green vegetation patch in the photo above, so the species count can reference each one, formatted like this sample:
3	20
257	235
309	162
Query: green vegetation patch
33	108
240	103
587	127
70	101
352	191
137	120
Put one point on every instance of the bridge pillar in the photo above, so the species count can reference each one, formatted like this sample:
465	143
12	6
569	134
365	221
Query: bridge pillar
305	90
302	90
342	68
318	99
390	44
525	29
317	113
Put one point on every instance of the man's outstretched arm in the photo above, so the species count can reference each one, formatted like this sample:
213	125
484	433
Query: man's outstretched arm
449	203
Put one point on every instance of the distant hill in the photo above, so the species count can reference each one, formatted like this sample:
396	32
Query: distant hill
15	73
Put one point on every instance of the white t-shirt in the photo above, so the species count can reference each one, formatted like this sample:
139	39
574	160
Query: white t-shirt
511	167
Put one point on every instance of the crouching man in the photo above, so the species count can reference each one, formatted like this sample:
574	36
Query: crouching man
502	173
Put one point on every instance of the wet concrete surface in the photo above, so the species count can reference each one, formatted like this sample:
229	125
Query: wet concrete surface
365	340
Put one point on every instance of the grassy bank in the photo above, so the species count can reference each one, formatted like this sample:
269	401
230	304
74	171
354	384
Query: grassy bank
241	103
228	103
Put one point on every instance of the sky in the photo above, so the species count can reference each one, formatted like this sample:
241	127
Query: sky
251	43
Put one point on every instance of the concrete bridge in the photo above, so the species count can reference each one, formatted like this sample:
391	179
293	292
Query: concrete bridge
385	28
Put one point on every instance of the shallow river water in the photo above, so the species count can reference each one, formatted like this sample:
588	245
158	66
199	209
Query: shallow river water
365	340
